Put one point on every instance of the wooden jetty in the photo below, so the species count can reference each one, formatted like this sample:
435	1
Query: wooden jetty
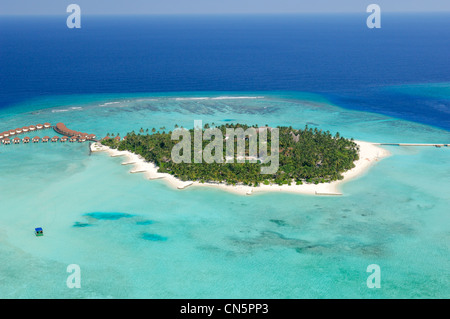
327	194
413	144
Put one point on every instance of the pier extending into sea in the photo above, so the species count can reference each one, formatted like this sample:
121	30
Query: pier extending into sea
413	144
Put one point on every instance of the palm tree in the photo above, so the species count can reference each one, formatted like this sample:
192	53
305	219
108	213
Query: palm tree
317	157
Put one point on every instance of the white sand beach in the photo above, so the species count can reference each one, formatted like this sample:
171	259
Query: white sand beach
369	155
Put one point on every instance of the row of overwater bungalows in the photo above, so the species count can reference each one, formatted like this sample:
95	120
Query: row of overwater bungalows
6	137
72	136
25	129
45	139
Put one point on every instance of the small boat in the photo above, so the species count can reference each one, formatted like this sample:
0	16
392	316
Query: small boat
38	231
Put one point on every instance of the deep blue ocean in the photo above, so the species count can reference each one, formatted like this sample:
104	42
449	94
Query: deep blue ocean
401	70
138	238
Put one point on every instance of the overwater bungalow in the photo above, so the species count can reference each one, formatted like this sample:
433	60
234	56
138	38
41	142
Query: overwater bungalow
16	140
47	125
55	138
32	127
45	139
18	130
6	141
25	129
1	135
26	140
39	126
36	139
5	134
64	139
12	132
73	139
63	130
82	139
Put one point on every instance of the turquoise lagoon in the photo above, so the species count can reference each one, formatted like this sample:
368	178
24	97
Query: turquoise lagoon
135	238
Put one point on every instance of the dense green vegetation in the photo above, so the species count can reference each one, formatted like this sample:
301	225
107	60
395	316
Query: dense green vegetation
306	156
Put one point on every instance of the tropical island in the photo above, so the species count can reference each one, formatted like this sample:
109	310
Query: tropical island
306	157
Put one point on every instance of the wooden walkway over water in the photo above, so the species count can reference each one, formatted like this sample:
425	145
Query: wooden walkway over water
413	144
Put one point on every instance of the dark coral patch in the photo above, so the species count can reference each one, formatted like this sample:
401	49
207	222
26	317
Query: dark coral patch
80	225
144	222
153	237
108	216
